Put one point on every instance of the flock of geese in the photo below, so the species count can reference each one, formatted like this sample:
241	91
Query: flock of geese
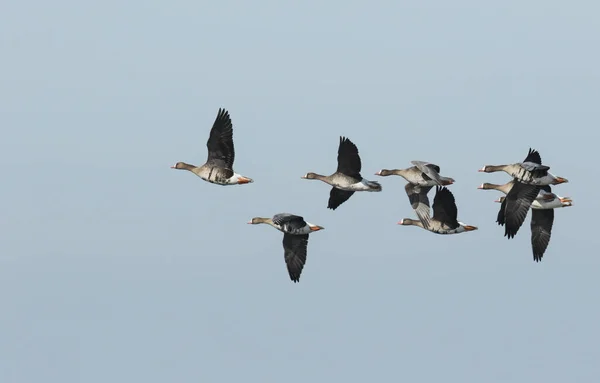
528	189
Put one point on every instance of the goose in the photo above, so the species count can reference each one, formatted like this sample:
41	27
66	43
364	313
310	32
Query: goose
347	179
295	239
218	168
546	199
542	195
530	171
444	215
422	174
542	219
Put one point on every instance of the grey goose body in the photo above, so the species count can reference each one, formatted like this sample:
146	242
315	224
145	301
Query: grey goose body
422	174
295	239
347	179
445	213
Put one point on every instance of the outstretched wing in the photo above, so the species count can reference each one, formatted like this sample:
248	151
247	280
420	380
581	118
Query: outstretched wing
417	195
444	207
518	201
295	248
338	197
541	230
533	156
220	142
348	159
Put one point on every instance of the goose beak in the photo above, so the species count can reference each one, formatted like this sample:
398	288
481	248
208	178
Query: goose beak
470	228
378	173
401	222
566	200
560	180
316	228
173	167
244	180
480	186
249	222
482	169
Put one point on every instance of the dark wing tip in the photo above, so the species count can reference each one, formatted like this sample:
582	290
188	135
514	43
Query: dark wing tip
533	156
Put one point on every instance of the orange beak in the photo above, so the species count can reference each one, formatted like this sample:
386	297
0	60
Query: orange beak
470	228
560	180
565	199
316	228
244	180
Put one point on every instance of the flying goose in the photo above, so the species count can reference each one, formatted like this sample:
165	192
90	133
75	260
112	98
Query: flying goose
218	168
542	195
542	219
422	174
295	239
528	178
546	199
347	179
444	215
530	171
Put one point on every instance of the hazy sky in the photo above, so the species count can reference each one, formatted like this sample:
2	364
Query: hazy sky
116	268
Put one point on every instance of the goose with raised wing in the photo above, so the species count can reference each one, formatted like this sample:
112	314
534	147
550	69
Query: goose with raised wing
445	213
422	174
542	219
218	168
530	171
295	239
347	179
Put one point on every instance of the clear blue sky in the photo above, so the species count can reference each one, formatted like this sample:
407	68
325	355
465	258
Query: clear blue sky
116	268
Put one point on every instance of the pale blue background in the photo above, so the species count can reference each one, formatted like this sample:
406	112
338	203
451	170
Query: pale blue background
115	268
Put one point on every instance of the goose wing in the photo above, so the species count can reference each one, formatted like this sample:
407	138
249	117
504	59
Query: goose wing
541	230
220	147
295	248
518	201
348	159
338	197
417	195
430	170
444	207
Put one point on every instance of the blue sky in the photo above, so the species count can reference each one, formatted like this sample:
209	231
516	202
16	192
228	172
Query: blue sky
114	267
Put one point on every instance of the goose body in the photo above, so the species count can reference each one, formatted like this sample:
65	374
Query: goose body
542	220
421	174
295	239
445	212
347	179
218	168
